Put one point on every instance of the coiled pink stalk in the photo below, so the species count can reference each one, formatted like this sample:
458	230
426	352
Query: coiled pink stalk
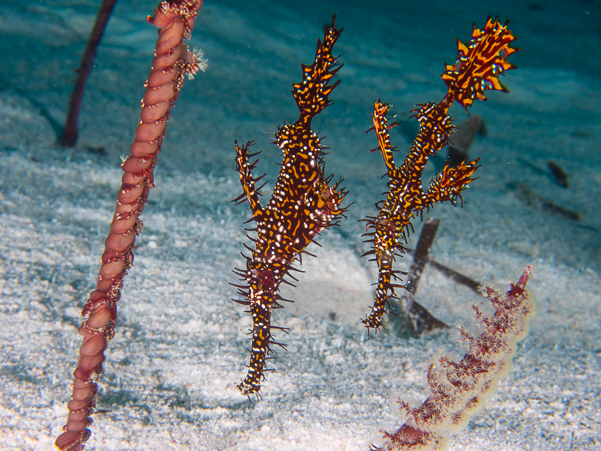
172	61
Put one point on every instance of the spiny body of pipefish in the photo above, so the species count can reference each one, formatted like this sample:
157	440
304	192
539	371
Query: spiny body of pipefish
302	205
478	67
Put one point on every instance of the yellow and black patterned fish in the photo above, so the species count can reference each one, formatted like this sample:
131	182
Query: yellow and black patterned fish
301	206
477	69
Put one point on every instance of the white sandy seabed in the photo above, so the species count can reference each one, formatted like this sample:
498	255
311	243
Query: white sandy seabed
171	370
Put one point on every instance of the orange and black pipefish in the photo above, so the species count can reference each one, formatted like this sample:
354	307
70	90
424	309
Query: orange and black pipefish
301	206
478	67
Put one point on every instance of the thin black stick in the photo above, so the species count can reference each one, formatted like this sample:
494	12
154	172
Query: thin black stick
455	276
415	318
71	132
421	254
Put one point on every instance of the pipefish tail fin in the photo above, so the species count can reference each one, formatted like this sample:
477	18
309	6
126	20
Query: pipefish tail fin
479	64
312	93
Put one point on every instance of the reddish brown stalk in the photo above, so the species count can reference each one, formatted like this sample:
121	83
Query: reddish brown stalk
71	130
172	61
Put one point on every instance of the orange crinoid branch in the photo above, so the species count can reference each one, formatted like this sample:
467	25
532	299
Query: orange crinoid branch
301	206
477	69
171	63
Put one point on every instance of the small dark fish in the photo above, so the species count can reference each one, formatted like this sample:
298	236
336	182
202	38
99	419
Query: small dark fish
531	198
554	208
100	150
558	172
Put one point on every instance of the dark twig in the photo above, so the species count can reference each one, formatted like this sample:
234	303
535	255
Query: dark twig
455	276
525	193
560	175
70	132
414	318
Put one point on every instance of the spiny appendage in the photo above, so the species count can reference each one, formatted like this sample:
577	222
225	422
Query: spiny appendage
448	184
384	290
302	205
312	93
406	198
479	64
245	167
381	127
387	241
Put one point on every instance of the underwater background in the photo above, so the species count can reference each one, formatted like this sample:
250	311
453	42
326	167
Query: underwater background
171	372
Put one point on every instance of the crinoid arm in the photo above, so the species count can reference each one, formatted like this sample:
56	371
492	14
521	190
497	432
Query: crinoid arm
479	64
460	388
312	93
